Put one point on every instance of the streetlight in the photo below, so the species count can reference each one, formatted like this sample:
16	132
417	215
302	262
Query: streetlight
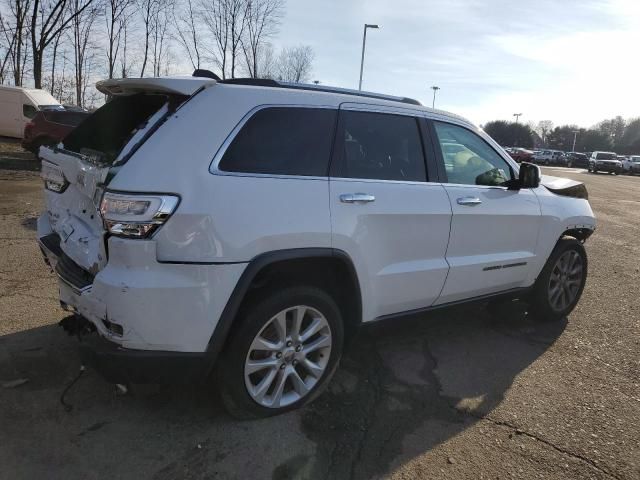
435	89
575	136
364	41
517	115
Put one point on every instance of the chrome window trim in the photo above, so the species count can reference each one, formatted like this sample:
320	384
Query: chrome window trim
375	180
387	110
214	167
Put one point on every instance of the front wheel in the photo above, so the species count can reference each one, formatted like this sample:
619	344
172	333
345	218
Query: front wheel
283	355
559	286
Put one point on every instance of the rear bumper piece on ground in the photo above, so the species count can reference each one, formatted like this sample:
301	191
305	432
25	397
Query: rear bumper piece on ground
121	365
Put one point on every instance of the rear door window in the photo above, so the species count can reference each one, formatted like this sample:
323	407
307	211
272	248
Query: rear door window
283	141
378	146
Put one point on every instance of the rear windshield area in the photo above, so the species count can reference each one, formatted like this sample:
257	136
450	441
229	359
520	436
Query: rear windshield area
105	133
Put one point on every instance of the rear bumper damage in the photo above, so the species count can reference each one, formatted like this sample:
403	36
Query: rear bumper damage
154	320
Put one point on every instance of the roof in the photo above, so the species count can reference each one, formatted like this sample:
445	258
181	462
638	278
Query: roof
188	85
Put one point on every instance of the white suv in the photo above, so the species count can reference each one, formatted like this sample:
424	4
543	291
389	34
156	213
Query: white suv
253	226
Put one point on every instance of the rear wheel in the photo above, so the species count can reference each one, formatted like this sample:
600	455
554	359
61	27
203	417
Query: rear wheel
559	286
285	352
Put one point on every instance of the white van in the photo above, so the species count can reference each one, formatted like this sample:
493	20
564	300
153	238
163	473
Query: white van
19	105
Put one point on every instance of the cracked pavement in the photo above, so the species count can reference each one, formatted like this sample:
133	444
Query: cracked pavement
455	394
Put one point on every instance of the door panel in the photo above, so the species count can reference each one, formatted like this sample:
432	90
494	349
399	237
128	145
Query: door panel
397	242
493	243
494	230
392	223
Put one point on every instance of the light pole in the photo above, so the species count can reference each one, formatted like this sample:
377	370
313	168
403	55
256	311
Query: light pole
364	41
517	115
575	136
435	88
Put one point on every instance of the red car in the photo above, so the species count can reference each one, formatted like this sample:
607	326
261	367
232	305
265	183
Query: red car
520	154
49	127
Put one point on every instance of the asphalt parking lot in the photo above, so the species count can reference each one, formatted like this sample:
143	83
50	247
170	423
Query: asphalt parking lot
457	394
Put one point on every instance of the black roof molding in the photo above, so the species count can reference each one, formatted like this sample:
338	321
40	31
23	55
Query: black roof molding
263	82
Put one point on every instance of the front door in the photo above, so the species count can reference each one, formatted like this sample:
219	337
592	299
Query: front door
494	230
392	222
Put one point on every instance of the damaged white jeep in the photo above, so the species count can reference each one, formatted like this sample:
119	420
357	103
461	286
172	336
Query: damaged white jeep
253	226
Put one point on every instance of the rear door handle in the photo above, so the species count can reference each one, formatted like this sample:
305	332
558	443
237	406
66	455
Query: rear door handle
357	198
469	201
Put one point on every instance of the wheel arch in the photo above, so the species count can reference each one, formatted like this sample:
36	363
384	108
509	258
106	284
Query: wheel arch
259	275
579	233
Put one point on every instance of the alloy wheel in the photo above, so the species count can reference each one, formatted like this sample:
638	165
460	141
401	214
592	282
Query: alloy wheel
565	280
288	356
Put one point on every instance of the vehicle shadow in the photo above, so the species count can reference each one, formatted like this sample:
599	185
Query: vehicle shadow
403	388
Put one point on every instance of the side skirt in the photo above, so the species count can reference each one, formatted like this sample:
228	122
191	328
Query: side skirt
512	294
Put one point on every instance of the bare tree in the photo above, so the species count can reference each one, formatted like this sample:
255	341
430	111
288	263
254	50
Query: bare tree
82	23
52	81
543	128
262	22
226	20
294	64
160	35
7	40
16	31
148	9
48	20
125	66
187	32
116	16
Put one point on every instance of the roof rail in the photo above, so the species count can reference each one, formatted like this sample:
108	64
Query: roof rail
318	88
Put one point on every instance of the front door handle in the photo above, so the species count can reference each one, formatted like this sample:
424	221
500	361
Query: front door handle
357	198
469	201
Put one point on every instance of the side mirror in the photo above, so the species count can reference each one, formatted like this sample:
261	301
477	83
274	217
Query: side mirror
529	176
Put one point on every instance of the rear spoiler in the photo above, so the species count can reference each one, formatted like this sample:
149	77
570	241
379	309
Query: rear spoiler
173	85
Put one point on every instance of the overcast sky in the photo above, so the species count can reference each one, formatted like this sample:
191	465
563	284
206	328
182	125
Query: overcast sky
570	61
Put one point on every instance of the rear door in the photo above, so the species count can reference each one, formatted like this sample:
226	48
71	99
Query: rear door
494	230
385	213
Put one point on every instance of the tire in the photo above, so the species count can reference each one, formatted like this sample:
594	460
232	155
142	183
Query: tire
287	365
543	303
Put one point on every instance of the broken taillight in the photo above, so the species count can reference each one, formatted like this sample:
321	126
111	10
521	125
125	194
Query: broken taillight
132	215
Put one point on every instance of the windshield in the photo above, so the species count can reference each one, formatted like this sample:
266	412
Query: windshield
605	156
50	107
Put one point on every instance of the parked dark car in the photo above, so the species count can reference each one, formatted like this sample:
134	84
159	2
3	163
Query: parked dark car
520	154
577	159
48	127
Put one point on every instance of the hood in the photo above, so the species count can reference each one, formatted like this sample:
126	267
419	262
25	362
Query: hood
564	186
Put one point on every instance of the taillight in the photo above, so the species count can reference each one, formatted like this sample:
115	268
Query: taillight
134	215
